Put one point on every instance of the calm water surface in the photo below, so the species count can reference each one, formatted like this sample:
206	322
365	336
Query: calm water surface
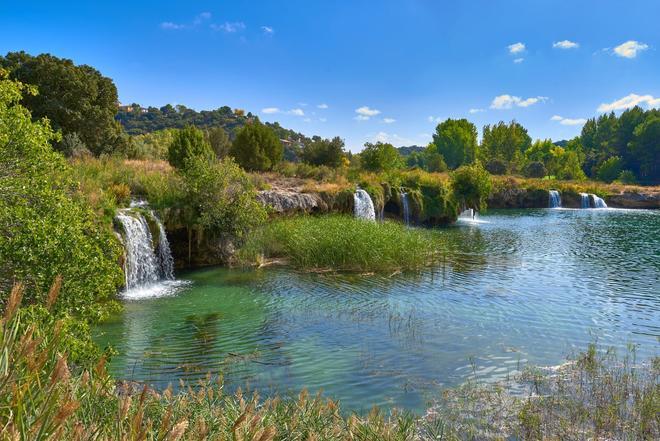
527	286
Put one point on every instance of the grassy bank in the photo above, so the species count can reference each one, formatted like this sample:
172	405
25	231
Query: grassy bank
341	243
43	396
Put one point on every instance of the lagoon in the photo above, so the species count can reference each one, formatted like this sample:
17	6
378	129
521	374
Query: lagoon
520	286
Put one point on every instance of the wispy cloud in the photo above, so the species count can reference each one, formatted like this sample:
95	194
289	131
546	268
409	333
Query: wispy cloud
516	48
323	119
170	26
518	60
391	138
565	44
296	112
473	111
365	113
629	49
198	20
268	30
433	119
509	101
270	110
629	101
569	121
229	27
389	120
322	106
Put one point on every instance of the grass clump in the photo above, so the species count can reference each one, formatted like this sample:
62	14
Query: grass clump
341	243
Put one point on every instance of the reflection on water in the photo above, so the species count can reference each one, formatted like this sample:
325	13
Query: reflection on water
528	286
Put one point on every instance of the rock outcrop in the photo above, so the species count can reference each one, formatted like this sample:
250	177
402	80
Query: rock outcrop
635	199
289	201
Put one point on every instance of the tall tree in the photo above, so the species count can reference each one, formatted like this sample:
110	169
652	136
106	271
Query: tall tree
188	143
506	142
219	141
646	147
256	147
456	141
329	152
75	99
380	157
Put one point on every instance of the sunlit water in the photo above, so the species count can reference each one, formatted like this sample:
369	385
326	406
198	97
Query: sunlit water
523	286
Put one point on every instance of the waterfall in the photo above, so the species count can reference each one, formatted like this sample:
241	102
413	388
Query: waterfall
554	199
585	203
144	265
598	202
364	207
405	205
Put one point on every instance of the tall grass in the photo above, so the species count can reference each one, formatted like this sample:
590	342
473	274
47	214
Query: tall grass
342	243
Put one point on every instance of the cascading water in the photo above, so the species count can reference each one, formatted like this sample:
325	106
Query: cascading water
164	253
141	266
584	200
598	202
364	206
554	199
405	205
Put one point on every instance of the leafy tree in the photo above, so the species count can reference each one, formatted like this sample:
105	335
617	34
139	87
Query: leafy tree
609	169
72	146
567	165
380	157
496	166
219	141
188	143
456	141
471	186
75	99
45	231
428	159
535	169
329	152
256	147
506	142
627	177
540	151
154	145
646	148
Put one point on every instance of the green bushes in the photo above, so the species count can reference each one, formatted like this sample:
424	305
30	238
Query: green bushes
610	169
188	143
341	243
256	147
471	186
535	169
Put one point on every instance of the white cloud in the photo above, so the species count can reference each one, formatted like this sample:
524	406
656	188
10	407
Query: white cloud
322	106
270	110
297	112
630	48
199	19
268	30
323	119
307	120
565	44
229	27
516	48
629	101
366	111
168	25
433	119
361	118
389	120
473	111
391	138
508	101
518	60
568	121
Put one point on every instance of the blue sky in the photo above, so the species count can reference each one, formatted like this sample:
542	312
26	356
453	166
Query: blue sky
363	70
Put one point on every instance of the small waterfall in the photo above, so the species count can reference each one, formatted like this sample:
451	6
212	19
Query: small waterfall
598	202
405	205
364	206
554	199
585	203
144	265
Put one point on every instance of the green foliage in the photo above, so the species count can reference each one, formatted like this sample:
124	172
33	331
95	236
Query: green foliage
380	157
496	167
609	169
627	177
256	147
535	169
342	243
44	232
428	159
188	144
433	196
646	148
72	146
75	99
328	152
471	186
152	146
219	141
506	142
456	141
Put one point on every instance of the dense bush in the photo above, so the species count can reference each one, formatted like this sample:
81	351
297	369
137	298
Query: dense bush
471	186
328	152
627	177
380	157
535	169
219	141
456	141
496	167
188	143
610	169
256	147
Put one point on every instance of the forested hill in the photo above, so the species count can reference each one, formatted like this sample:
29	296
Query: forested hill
138	120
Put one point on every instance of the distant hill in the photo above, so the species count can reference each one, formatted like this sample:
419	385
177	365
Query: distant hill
561	143
406	151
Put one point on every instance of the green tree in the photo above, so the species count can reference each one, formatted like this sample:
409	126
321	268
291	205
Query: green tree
45	230
456	141
609	169
380	157
188	143
540	150
471	186
646	148
329	152
506	142
219	141
256	147
75	99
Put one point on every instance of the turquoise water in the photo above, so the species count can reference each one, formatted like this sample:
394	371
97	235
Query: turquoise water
521	287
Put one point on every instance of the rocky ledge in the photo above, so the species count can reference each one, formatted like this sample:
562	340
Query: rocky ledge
292	201
635	199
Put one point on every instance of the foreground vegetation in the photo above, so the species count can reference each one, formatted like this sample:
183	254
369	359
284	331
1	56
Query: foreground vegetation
44	396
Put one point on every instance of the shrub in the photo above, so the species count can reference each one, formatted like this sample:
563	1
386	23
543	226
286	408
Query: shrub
380	157
535	169
627	177
256	147
471	186
609	169
121	193
496	167
219	141
188	143
327	152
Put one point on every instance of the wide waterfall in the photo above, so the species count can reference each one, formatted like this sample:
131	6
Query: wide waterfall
554	199
145	263
584	200
405	205
364	206
598	202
